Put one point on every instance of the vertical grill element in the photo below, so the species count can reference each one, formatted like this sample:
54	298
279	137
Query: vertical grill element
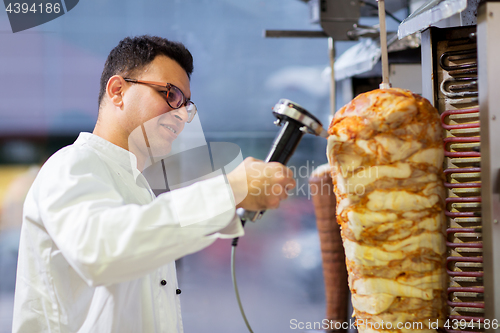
457	102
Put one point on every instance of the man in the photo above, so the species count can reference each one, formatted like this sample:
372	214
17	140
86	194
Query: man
97	248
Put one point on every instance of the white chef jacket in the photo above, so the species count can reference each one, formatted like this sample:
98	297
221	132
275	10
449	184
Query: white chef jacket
97	248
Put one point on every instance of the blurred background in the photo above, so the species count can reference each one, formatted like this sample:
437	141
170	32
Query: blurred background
49	81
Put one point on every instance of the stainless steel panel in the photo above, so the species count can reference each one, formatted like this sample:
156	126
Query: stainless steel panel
428	82
489	100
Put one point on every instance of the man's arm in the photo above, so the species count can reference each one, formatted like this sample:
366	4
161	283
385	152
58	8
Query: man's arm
108	240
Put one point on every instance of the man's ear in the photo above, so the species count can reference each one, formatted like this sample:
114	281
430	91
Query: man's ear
114	90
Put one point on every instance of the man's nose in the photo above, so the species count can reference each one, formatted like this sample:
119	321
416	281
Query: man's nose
181	114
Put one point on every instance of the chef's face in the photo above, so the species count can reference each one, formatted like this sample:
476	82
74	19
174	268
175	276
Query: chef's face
151	121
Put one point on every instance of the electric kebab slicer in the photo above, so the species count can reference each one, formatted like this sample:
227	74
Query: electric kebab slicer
295	121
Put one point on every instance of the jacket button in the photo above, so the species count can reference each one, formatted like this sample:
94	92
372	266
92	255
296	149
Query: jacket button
163	282
178	291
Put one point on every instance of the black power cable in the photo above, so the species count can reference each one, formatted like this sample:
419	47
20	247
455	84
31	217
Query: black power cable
233	276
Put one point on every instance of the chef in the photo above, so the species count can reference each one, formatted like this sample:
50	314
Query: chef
98	249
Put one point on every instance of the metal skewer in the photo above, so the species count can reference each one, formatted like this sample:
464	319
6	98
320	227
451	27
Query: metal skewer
383	46
331	54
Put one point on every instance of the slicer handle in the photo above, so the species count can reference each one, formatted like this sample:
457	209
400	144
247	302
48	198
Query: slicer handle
282	149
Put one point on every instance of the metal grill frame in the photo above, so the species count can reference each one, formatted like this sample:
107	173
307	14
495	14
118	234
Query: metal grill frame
464	240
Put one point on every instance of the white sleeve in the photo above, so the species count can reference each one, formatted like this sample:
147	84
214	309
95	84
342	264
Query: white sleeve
107	241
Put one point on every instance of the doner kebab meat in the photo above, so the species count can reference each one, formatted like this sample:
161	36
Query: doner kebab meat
386	153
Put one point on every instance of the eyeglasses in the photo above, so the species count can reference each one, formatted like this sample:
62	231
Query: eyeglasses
173	95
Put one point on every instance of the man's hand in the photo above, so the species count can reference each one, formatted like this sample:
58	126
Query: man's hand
258	185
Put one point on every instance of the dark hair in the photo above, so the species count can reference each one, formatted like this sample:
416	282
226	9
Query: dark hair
133	54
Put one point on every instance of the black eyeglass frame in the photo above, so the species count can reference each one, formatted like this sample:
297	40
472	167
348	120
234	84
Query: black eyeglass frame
187	102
